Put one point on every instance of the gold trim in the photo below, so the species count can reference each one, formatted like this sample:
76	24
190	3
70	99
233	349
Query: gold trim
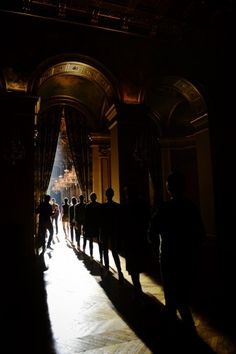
111	113
79	69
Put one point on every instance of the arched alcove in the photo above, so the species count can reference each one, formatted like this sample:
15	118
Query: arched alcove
177	103
178	108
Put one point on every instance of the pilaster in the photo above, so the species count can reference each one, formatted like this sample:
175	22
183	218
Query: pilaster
129	150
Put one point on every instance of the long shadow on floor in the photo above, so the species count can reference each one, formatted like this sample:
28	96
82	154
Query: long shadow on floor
145	315
25	321
213	291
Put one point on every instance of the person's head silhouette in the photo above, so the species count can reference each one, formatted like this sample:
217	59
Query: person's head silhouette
81	198
93	197
73	200
109	193
47	198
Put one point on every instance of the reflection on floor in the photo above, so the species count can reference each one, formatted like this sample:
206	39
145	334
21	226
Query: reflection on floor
93	314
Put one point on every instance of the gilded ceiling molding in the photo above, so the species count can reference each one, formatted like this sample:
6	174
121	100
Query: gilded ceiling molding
190	92
79	69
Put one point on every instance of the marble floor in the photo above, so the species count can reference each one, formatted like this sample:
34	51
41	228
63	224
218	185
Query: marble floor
92	314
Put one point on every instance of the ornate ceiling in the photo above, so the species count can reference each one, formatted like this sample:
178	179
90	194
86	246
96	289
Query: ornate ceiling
88	87
138	42
165	19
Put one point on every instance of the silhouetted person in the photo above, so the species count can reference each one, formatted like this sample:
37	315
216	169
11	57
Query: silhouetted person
72	219
179	225
135	218
65	216
80	218
92	222
45	223
56	213
109	232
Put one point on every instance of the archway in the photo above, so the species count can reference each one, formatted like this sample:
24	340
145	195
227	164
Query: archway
87	94
178	108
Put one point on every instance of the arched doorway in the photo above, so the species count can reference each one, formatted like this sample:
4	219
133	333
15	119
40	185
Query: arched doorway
87	95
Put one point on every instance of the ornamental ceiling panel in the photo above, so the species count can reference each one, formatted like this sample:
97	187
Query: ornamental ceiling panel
169	18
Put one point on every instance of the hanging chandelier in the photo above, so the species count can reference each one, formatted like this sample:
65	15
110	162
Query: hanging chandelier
65	181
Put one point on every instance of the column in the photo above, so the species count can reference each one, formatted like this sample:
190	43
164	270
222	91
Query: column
101	166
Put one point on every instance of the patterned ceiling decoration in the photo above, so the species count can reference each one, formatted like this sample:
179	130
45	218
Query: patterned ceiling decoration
78	69
79	82
169	18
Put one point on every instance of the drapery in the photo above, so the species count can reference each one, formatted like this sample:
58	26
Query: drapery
77	132
48	128
78	138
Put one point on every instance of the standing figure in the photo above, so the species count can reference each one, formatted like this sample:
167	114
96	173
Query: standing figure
80	219
92	223
65	216
56	213
109	232
72	219
179	226
135	218
45	212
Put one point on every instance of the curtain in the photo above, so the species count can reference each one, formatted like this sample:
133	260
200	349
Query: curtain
79	146
48	132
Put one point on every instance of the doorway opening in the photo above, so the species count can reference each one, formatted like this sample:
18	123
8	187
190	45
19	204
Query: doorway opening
63	182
